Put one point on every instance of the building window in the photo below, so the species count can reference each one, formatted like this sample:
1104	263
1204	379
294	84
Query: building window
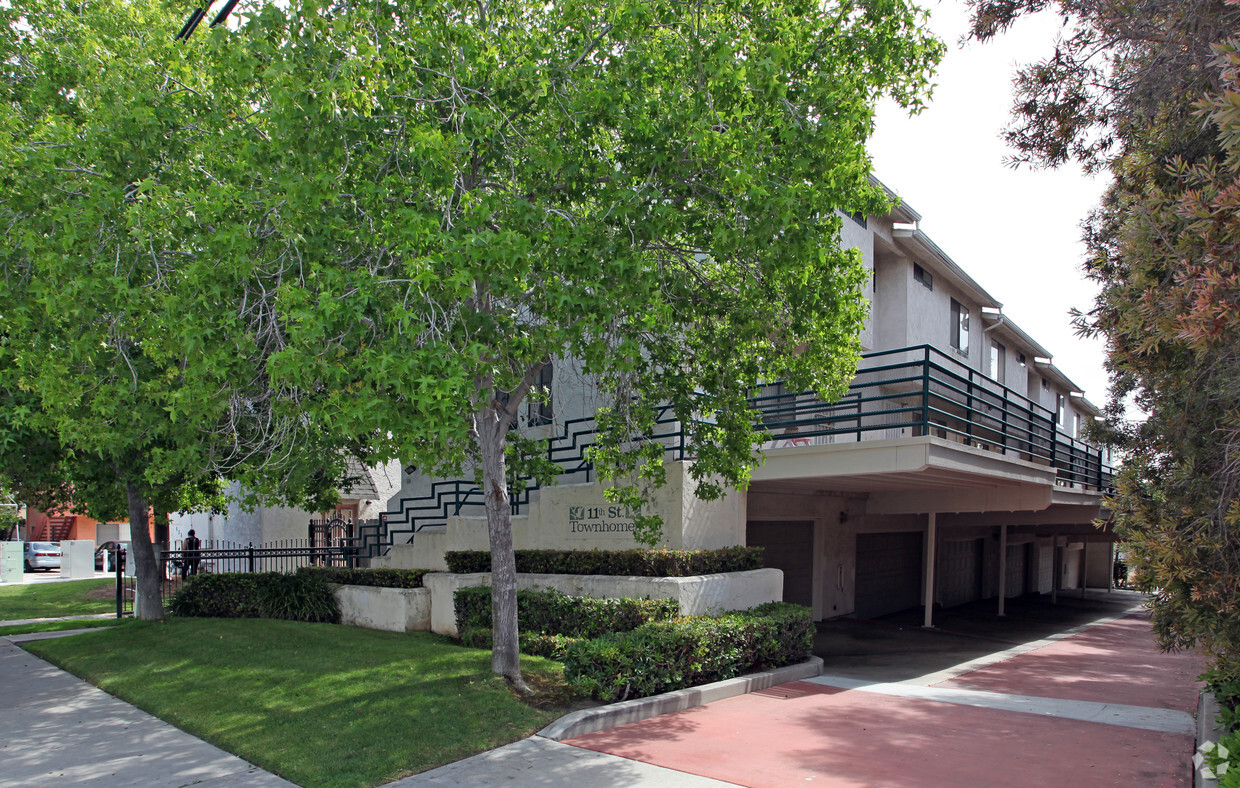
857	217
960	327
541	411
1061	410
922	275
998	362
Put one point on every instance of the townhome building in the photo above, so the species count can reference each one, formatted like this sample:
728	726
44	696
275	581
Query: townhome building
952	471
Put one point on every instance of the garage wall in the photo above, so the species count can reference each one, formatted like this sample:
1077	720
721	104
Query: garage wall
960	572
787	546
1017	566
888	572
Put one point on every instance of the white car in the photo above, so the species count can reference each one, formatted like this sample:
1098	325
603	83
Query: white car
42	555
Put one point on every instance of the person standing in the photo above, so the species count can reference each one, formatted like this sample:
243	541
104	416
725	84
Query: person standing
189	555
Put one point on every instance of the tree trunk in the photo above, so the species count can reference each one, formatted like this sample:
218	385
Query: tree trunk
149	602
505	655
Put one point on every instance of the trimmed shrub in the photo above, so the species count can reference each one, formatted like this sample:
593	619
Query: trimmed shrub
382	578
554	613
232	595
534	644
298	597
294	597
662	656
627	563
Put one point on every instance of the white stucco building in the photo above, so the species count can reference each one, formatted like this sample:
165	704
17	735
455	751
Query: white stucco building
264	525
953	470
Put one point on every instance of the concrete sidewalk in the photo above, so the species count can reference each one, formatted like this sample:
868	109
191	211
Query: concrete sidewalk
57	730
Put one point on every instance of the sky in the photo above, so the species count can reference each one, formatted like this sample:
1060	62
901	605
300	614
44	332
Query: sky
1016	231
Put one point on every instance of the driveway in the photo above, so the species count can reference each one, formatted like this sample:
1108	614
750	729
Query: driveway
1087	705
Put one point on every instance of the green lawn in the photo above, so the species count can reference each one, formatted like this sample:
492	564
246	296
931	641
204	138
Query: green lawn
49	600
319	704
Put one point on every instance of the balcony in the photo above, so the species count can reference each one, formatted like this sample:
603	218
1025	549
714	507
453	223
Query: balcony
909	392
920	391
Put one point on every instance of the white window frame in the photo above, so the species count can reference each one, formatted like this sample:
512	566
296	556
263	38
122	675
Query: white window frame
958	335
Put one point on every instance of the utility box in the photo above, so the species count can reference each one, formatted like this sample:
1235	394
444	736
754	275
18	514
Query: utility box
11	558
77	558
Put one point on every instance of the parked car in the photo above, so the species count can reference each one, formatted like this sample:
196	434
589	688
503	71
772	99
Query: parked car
42	555
111	548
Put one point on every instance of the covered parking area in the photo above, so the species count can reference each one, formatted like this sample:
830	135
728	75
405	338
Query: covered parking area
869	529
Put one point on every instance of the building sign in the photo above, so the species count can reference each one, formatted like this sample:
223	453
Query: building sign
605	520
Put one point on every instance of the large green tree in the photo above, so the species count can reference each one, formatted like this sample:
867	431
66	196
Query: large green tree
105	405
1148	91
427	202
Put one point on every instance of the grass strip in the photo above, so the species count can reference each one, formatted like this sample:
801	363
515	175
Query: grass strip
52	599
325	706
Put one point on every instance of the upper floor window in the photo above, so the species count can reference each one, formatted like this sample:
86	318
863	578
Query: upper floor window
922	275
1061	410
859	218
960	327
541	410
998	362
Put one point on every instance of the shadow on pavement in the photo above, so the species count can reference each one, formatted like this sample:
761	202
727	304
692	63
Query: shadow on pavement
897	648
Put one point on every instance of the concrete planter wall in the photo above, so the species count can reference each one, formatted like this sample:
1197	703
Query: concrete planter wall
390	609
699	595
431	607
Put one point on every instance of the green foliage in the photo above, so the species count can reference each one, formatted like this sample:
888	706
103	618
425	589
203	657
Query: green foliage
629	563
292	597
384	578
1167	246
374	224
554	613
668	655
298	597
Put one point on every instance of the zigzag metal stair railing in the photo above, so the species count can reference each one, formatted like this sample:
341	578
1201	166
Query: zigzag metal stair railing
447	498
915	391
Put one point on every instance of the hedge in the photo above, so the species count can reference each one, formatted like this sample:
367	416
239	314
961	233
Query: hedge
383	578
294	597
554	613
661	656
628	563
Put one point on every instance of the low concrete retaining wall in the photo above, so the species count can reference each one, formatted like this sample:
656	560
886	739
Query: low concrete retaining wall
390	609
698	595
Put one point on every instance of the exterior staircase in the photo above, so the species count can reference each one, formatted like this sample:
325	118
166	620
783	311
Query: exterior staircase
58	528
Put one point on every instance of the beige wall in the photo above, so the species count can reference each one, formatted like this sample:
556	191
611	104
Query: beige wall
579	517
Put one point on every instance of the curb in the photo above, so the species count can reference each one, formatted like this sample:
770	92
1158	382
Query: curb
1207	731
579	723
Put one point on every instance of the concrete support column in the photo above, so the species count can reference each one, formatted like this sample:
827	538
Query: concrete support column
1110	566
1084	566
1056	568
932	558
1002	568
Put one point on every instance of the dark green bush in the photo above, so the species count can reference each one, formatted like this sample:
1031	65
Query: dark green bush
661	656
383	578
533	643
554	613
294	597
232	595
629	563
298	597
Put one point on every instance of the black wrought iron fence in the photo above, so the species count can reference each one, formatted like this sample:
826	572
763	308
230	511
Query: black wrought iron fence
221	556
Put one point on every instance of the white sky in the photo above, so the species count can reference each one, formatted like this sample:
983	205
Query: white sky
1017	232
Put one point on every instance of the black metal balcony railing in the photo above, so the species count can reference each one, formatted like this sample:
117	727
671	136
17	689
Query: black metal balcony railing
908	392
